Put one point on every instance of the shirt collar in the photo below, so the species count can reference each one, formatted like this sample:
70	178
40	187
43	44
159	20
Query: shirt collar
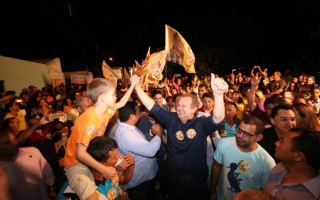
313	185
191	120
126	125
134	128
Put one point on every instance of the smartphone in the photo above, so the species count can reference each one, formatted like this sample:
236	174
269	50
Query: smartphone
54	116
19	101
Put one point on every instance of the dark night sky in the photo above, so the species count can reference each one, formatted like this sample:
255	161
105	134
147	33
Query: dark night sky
270	34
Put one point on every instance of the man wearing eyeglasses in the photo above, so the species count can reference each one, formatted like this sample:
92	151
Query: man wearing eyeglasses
240	163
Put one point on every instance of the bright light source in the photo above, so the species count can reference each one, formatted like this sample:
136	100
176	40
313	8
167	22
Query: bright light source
110	59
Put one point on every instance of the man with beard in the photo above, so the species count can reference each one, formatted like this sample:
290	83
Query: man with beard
240	163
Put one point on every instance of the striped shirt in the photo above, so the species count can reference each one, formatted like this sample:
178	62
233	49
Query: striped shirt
294	191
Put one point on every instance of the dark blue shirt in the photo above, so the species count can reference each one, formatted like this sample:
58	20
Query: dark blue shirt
186	146
144	125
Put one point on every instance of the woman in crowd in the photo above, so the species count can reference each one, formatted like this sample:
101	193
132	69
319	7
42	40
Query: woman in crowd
308	87
44	107
306	117
68	106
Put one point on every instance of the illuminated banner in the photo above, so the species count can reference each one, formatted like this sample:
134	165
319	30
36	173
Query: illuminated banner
118	72
81	79
109	74
126	77
150	71
178	50
55	72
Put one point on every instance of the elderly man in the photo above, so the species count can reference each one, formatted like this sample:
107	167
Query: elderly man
81	104
186	140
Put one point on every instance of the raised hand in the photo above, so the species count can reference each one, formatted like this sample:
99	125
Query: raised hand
218	85
135	80
256	66
255	80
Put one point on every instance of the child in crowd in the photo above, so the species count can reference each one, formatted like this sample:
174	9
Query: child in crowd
90	124
105	151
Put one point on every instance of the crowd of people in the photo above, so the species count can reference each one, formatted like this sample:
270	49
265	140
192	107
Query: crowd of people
195	137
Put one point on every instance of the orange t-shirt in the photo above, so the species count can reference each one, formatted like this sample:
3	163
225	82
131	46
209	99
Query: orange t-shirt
86	127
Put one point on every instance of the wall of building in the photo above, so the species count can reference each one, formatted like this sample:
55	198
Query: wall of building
18	74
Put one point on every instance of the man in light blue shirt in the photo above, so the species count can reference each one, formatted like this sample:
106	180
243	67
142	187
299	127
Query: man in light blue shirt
131	140
239	162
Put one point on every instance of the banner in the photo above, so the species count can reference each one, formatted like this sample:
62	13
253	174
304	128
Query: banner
126	78
109	74
81	79
118	72
55	72
178	50
150	71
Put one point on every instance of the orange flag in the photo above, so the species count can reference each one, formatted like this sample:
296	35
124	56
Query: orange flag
137	65
178	50
126	77
150	71
109	74
148	53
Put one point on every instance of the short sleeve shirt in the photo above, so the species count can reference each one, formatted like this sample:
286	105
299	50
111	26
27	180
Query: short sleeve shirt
241	170
87	127
21	115
186	146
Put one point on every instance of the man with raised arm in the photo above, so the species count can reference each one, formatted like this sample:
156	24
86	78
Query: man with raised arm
187	170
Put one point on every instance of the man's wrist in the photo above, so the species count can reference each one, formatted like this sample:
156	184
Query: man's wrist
218	93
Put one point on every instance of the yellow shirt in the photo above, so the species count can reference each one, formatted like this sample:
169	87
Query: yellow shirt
240	111
23	124
86	127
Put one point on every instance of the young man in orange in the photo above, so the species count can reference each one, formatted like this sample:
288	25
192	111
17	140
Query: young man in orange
90	124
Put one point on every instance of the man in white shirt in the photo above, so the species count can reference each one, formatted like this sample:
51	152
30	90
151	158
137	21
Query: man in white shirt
131	140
